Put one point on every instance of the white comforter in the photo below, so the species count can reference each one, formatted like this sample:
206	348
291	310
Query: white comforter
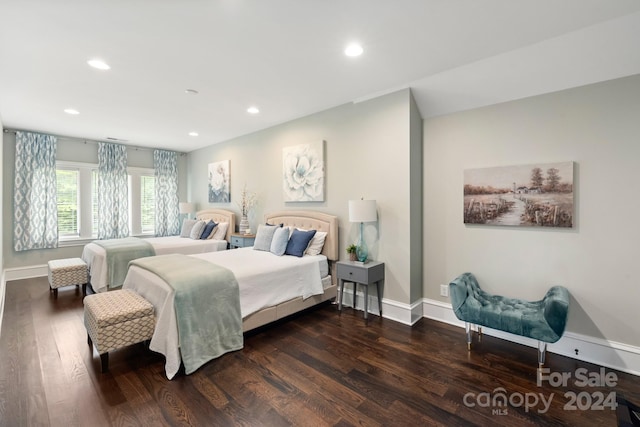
96	259
264	279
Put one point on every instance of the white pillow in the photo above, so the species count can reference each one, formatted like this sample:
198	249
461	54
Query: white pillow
316	244
196	231
220	231
187	226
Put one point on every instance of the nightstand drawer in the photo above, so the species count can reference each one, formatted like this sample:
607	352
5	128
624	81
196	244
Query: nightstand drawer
353	273
241	240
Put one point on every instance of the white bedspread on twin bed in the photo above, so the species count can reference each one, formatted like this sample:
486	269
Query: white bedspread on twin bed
264	279
95	256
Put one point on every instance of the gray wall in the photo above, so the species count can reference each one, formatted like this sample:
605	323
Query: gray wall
597	127
416	191
69	149
2	282
367	154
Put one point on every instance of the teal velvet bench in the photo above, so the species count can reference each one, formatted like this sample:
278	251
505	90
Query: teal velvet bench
542	320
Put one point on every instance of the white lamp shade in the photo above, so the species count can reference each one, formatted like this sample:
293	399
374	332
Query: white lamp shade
362	211
186	208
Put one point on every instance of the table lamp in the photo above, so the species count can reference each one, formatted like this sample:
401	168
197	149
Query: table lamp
362	211
186	208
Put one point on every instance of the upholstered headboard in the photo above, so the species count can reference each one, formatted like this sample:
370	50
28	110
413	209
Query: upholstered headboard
218	216
311	220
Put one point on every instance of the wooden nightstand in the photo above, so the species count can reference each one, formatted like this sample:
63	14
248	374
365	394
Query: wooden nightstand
241	240
363	274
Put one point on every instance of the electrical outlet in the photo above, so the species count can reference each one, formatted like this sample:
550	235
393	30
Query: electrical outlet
444	290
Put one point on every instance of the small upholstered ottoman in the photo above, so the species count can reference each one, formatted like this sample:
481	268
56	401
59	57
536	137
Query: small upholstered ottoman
67	272
117	319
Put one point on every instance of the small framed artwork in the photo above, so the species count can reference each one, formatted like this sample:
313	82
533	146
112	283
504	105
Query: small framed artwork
219	182
303	172
526	196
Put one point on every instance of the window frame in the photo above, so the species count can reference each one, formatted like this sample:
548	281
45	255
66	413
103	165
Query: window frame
78	211
85	171
135	200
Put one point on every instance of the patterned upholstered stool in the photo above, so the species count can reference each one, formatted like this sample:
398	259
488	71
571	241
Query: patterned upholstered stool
117	319
68	272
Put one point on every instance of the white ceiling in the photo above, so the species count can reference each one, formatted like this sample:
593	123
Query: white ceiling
286	57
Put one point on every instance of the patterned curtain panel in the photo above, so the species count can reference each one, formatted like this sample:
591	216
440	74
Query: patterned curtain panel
35	193
165	164
113	191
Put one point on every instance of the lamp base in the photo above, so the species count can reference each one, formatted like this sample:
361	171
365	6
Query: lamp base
361	250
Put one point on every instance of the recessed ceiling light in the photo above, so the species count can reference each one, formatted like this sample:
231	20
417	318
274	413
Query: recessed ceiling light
193	133
354	49
71	111
191	91
253	110
99	64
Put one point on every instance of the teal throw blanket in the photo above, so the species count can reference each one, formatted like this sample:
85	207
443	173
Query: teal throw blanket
207	305
119	253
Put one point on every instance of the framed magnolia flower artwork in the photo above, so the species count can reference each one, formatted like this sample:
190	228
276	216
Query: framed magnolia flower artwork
219	182
303	172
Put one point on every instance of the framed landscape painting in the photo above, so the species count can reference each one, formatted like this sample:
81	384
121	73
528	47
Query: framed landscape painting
528	195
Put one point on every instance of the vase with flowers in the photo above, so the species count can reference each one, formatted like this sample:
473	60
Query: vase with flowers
247	201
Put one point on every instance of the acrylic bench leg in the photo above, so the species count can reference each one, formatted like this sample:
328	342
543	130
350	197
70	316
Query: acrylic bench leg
542	350
467	326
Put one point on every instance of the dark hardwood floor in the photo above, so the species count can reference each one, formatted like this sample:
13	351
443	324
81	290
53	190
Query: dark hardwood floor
319	368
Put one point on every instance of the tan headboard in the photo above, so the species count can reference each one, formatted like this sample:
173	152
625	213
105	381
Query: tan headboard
311	220
218	216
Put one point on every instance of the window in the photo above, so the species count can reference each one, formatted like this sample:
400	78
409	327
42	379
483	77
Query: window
78	202
148	203
94	202
142	201
67	187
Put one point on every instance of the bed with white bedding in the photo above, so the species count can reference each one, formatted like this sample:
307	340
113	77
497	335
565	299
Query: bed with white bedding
95	255
271	287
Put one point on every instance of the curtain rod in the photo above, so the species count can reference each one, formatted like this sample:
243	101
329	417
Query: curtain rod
91	141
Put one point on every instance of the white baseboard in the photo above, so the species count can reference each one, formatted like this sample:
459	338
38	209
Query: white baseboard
18	273
623	357
407	314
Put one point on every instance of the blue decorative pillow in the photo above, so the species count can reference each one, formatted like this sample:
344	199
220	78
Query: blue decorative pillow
279	241
264	235
298	242
208	229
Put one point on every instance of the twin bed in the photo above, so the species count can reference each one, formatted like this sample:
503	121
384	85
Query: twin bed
271	287
102	276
